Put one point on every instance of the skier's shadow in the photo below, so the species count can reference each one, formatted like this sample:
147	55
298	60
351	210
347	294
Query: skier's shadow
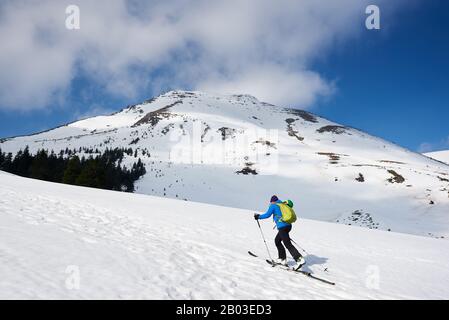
312	260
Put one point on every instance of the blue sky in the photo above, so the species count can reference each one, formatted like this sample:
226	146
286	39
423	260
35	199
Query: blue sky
392	82
396	85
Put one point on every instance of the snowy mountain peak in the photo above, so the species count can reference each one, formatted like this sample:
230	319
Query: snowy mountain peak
236	151
181	94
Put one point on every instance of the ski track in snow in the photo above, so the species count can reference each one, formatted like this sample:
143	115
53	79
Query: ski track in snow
134	246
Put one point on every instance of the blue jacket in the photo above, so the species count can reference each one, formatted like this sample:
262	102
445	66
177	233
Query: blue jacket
275	210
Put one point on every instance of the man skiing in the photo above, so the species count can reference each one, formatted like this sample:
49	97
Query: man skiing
283	234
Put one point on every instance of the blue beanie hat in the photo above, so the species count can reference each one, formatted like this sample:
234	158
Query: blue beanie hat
274	199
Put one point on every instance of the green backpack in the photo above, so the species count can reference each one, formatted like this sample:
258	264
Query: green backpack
288	214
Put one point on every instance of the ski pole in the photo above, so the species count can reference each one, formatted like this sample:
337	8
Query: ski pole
299	246
263	237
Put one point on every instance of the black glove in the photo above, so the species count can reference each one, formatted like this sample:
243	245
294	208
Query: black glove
256	216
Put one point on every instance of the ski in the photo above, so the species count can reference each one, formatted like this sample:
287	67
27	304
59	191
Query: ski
286	268
308	274
252	254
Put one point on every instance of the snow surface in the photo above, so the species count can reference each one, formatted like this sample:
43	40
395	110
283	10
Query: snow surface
134	246
189	145
442	156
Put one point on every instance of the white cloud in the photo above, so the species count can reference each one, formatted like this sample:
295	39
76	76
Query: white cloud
261	47
272	84
443	144
425	147
94	110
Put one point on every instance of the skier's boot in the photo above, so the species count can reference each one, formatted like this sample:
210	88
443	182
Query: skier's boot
299	263
281	261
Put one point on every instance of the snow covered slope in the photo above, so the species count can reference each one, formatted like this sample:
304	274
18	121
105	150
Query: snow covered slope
442	156
66	242
236	151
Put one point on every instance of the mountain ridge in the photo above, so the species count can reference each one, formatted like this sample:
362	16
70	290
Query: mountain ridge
441	156
236	151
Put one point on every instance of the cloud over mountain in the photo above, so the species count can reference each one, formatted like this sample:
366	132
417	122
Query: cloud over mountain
259	47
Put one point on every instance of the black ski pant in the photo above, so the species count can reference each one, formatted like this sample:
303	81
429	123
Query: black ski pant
283	236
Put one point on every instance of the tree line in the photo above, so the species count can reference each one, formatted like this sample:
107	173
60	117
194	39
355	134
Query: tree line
103	171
